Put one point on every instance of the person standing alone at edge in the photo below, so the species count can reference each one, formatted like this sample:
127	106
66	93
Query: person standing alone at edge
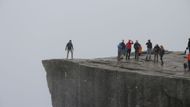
149	50
128	46
69	48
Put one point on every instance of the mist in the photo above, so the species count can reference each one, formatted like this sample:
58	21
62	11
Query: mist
33	30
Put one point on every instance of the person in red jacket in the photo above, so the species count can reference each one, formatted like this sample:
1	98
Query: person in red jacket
128	46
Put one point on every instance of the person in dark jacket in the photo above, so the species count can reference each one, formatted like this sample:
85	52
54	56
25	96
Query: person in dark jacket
188	45
156	51
162	52
69	48
121	50
185	65
188	61
123	47
149	50
137	49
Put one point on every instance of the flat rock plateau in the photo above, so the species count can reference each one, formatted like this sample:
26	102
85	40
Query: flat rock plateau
105	82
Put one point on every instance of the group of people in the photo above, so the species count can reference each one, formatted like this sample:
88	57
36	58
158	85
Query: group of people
125	50
157	51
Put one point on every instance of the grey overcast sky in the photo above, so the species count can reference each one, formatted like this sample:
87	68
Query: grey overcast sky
32	30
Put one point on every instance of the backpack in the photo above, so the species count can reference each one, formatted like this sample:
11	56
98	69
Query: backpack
119	46
136	46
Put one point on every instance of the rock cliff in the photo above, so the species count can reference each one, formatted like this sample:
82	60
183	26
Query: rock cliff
105	83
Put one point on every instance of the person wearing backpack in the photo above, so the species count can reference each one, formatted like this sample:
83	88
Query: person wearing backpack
137	47
162	52
149	50
121	50
69	48
156	51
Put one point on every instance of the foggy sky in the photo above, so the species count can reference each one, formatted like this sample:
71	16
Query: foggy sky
32	30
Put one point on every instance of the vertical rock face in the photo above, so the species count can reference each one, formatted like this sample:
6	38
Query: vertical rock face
84	83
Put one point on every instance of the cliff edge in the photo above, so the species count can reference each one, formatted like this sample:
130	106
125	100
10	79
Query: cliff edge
104	82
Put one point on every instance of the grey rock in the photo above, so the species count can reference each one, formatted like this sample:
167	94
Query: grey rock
104	82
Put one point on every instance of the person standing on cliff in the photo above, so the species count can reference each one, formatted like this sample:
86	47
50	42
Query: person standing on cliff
149	50
128	46
69	48
137	47
156	51
162	52
188	45
188	60
121	50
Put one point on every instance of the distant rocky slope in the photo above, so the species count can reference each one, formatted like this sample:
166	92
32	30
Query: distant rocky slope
104	82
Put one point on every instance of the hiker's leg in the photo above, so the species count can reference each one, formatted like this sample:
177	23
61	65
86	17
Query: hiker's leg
184	66
67	54
161	58
118	55
122	52
135	54
150	54
129	53
147	54
189	65
126	53
155	59
71	54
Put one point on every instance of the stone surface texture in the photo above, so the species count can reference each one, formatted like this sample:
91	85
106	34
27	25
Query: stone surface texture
104	82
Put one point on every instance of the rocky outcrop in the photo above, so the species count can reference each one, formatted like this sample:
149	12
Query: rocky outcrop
106	83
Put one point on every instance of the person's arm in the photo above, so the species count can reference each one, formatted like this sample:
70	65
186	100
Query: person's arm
72	46
188	45
66	47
